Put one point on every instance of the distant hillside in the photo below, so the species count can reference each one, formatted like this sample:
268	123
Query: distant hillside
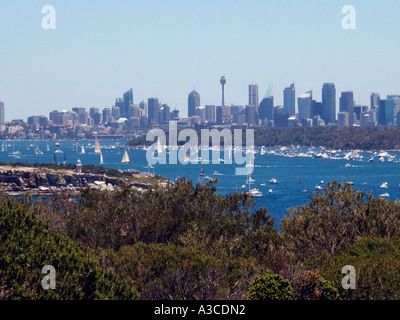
330	137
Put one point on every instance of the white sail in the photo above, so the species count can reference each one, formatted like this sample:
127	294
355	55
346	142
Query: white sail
101	158
82	149
97	147
125	158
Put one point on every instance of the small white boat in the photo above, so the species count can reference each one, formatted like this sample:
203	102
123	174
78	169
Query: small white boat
101	158
273	180
216	173
317	187
385	195
384	185
348	165
270	191
263	184
255	193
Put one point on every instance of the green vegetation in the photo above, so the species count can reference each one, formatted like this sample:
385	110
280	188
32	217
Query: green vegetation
331	137
187	242
270	287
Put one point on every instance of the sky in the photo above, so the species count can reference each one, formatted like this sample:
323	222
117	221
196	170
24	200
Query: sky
166	48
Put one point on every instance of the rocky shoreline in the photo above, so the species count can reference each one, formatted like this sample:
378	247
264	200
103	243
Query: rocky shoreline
47	181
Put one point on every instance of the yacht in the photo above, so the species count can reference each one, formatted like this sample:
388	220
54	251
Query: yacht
317	187
255	193
385	195
273	180
384	185
216	173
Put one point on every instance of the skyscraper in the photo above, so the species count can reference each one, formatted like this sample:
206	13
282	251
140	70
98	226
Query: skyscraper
266	108
127	101
2	120
329	103
289	100
153	106
386	113
210	113
223	82
346	104
253	95
193	103
305	105
375	97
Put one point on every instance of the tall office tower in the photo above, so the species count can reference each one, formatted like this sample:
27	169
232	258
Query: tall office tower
127	101
116	112
266	108
223	114
92	111
304	103
2	120
153	106
106	115
289	100
253	95
316	109
223	82
343	119
210	113
346	104
143	106
328	103
201	113
193	103
280	117
165	113
251	115
386	113
375	97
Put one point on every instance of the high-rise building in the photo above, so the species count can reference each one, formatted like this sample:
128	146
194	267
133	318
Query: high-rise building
106	115
210	113
2	120
165	113
375	97
316	109
266	108
289	100
251	115
386	113
193	103
223	115
253	95
346	104
281	117
127	101
304	103
143	106
329	103
153	106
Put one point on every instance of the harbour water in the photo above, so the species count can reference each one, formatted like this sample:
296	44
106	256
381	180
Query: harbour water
297	171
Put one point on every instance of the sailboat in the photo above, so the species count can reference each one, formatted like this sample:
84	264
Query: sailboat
101	158
48	148
65	159
97	146
82	149
254	193
125	158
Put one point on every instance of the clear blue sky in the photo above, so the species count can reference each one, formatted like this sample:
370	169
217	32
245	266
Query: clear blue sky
165	48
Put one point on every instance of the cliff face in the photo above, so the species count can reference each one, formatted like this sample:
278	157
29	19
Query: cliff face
19	180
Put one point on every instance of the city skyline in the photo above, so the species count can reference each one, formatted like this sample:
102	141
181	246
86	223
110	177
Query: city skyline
99	47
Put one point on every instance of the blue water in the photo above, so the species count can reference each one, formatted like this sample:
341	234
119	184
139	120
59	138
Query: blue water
286	193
